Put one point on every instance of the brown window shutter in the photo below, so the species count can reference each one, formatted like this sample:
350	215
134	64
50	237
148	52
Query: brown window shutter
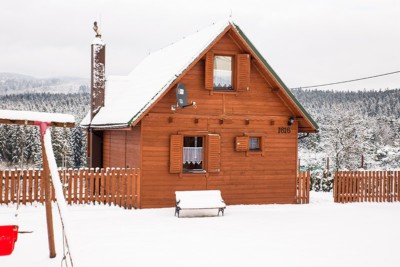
214	153
209	83
242	143
175	153
243	72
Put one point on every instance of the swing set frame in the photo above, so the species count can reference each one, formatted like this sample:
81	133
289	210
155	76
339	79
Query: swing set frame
53	121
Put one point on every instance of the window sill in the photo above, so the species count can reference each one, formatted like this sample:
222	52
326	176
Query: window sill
194	172
227	92
186	174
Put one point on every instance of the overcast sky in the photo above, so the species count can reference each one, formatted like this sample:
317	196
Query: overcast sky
307	42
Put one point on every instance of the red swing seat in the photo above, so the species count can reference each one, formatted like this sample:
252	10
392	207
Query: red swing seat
8	237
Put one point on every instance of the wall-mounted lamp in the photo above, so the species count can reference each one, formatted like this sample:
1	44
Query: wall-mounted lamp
290	121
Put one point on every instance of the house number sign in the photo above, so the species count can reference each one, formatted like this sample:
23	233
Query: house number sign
284	130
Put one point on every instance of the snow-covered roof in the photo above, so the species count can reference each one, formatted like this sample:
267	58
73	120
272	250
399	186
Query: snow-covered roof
17	115
128	97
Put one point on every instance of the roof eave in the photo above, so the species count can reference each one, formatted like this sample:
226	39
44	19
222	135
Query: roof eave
106	126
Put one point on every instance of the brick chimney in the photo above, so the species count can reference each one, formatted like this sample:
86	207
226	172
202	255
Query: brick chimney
97	89
98	78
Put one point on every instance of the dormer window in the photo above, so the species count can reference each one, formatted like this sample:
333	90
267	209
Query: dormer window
223	73
227	73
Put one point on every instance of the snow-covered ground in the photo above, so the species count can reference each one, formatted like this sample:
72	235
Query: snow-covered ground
319	234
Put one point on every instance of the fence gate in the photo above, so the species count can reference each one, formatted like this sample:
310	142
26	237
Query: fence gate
303	187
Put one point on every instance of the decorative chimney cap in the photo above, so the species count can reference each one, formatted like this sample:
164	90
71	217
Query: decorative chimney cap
96	30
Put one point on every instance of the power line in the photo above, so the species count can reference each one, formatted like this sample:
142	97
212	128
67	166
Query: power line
354	80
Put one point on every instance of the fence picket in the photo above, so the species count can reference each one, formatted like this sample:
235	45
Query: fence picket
96	186
380	183
102	182
112	187
6	186
338	180
124	199
117	189
373	187
129	189
337	183
107	186
354	184
134	192
308	185
87	186
30	186
362	188
75	186
23	192
397	181
91	185
368	180
384	186
12	179
81	180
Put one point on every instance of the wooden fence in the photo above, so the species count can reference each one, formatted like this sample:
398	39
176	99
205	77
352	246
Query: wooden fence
303	187
120	187
366	186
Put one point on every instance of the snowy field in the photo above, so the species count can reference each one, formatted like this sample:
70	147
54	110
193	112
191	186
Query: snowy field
320	234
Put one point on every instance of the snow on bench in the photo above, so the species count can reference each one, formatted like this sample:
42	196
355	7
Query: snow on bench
204	199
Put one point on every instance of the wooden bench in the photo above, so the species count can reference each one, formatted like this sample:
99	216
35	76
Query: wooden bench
195	200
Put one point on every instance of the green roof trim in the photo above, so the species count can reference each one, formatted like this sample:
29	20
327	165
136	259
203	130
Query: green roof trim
241	33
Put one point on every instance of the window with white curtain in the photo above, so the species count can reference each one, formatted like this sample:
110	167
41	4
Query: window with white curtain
223	73
192	153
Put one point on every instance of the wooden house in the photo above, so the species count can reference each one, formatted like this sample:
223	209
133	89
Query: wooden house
240	137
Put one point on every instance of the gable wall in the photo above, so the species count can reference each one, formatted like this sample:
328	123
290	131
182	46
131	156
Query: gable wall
243	179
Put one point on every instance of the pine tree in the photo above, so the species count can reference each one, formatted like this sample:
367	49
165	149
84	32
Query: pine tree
77	147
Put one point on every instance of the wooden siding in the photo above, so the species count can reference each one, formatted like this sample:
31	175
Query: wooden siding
121	148
243	177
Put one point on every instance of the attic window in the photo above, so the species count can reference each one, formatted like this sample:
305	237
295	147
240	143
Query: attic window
223	73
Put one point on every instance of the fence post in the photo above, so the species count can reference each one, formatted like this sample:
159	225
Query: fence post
308	186
335	188
138	173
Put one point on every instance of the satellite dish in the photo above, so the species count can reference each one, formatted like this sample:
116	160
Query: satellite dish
181	98
181	95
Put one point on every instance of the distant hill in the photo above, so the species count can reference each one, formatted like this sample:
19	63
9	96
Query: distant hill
14	83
